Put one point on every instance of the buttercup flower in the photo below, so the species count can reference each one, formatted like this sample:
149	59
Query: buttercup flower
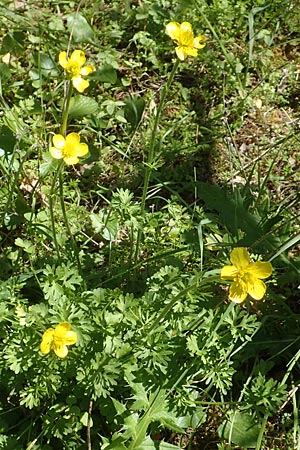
246	275
75	68
69	148
183	35
58	340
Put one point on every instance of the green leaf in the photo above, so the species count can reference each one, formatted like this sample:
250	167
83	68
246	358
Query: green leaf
7	141
4	72
107	227
117	443
119	407
25	244
241	429
133	110
86	420
80	29
193	420
13	121
149	444
45	64
48	164
140	396
169	422
155	409
106	74
82	106
13	42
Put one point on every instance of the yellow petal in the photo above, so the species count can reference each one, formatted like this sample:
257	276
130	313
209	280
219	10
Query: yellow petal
191	51
256	288
77	58
80	84
238	291
62	58
45	347
260	269
72	139
81	149
86	70
199	42
186	34
47	340
173	30
228	272
61	329
56	153
240	258
257	102
6	58
71	160
58	141
181	53
70	338
61	350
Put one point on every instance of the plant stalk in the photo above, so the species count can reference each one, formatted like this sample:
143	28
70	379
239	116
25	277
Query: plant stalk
151	153
66	109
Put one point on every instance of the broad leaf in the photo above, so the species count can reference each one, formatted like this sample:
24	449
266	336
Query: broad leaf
241	429
82	106
133	110
149	444
106	74
80	29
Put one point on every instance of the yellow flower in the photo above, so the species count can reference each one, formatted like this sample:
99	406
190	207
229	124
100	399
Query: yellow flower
58	340
246	276
75	68
183	35
69	148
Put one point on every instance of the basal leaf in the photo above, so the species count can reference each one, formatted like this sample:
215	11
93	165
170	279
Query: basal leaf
106	74
79	27
4	72
241	429
149	444
82	106
133	110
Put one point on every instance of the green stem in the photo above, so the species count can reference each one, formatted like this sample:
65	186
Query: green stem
65	217
151	153
51	208
63	131
261	432
150	159
291	364
66	109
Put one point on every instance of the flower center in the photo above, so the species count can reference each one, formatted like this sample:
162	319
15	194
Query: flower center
68	150
242	275
73	69
59	341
